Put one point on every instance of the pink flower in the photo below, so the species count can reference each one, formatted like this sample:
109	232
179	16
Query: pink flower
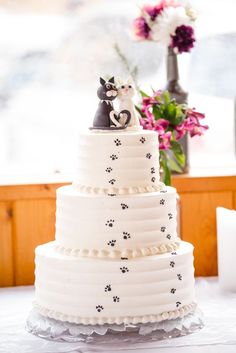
141	28
164	141
153	11
191	124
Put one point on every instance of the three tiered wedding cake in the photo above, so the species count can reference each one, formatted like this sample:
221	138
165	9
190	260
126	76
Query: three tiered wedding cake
117	257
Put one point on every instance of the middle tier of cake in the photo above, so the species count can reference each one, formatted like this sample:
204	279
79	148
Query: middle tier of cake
122	226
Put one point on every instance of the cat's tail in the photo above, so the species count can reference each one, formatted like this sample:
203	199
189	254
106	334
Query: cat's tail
123	114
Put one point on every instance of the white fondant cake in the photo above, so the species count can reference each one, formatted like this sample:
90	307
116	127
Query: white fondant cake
118	162
117	257
127	225
92	291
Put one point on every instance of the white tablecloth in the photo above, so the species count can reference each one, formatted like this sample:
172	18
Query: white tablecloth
219	334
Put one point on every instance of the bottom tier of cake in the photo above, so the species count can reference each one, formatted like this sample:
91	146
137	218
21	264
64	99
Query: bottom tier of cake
99	291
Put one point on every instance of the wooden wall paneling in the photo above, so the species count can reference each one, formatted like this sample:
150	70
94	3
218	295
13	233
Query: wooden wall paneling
6	243
198	226
34	224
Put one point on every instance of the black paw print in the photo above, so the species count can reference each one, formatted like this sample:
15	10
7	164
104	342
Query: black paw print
168	236
117	142
142	139
109	169
170	215
178	304
112	243
153	179
99	308
108	288
110	223
153	170
163	191
172	264
124	206
113	157
163	229
173	253
124	258
179	276
148	156
124	269
112	181
162	202
111	194
116	299
173	290
126	235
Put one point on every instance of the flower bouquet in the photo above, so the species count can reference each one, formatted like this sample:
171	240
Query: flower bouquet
169	23
172	121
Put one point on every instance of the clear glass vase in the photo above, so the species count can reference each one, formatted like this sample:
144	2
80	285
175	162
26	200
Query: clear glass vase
177	92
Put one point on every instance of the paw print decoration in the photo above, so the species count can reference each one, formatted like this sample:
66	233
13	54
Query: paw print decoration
142	140
179	276
178	304
117	142
124	269
113	157
173	290
153	170
153	179
168	236
108	170
126	235
124	206
112	181
99	308
110	223
162	202
163	229
148	156
112	243
170	215
172	264
116	299
108	288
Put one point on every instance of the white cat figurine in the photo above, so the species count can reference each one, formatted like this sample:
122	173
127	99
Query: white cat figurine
125	95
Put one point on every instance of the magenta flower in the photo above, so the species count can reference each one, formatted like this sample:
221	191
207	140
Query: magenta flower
183	39
191	124
141	28
153	11
164	141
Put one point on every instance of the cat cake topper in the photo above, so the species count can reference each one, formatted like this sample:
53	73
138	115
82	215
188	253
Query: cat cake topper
106	118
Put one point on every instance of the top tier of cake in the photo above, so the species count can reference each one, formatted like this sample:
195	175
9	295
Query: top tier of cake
124	162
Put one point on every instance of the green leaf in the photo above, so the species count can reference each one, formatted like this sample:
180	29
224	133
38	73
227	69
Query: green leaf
166	170
174	166
176	147
156	112
180	159
166	97
143	94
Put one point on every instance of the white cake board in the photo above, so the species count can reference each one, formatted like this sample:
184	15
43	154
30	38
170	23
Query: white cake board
55	330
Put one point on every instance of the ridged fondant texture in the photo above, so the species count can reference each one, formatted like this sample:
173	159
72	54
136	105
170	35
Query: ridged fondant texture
120	226
118	162
90	291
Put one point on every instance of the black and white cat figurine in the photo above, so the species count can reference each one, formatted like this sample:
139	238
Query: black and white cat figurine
106	118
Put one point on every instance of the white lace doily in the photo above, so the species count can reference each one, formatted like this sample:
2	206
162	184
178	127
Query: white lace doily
110	334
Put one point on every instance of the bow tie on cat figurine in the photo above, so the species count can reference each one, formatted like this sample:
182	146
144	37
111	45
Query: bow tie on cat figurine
106	118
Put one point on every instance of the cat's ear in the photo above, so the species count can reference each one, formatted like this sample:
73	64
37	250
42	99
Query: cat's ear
102	81
112	80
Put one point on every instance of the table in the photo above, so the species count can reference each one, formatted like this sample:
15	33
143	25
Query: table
218	335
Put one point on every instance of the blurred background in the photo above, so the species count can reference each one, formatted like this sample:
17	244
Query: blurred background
53	52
